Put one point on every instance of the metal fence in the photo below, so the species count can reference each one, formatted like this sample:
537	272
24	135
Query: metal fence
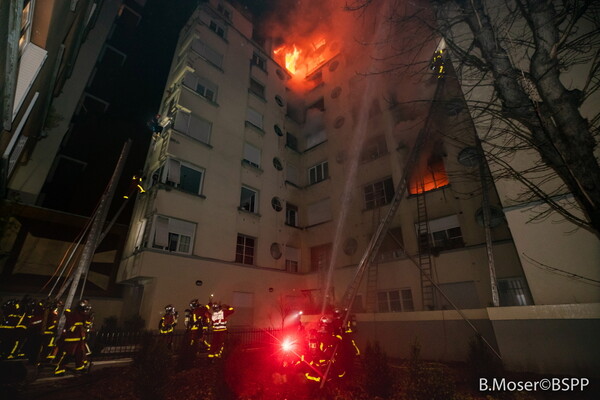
112	345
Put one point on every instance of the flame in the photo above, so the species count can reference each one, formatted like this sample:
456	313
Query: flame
301	59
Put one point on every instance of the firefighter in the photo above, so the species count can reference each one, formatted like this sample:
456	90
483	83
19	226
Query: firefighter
197	325
48	346
219	315
13	329
167	325
72	342
35	327
347	349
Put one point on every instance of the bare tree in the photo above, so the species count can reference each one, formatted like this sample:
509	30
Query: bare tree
530	72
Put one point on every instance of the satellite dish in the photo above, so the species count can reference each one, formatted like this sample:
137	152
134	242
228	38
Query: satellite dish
469	157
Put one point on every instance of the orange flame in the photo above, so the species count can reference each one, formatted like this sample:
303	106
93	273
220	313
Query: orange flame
301	60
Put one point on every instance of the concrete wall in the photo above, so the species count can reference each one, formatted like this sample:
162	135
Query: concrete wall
555	339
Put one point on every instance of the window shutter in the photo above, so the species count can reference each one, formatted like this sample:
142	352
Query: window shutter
199	129
319	212
182	227
182	121
161	231
173	171
190	80
252	154
255	118
292	254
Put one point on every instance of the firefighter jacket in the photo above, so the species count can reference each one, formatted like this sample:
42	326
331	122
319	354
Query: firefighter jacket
35	317
219	318
15	317
167	323
76	326
199	318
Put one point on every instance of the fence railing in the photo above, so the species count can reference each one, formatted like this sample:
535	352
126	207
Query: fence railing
112	345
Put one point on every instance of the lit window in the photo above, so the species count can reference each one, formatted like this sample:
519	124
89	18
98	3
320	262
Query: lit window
318	173
249	200
379	193
259	61
244	249
173	234
320	257
257	88
432	176
395	300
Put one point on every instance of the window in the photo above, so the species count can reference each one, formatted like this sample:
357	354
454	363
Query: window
259	61
292	258
429	177
513	292
395	301
373	149
379	193
201	86
252	155
26	19
244	249
318	173
224	11
255	118
173	234
208	53
320	257
249	200
291	214
257	88
291	141
291	174
193	126
217	28
184	176
392	245
445	233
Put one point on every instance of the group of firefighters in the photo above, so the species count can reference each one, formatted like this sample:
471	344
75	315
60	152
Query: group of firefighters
325	351
28	329
198	319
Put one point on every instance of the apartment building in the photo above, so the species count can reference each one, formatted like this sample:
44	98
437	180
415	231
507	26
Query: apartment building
264	189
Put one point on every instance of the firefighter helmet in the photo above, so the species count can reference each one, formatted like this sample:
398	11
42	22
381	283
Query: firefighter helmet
84	306
169	309
194	303
216	307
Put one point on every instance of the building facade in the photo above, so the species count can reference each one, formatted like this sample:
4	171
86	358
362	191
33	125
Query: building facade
264	188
